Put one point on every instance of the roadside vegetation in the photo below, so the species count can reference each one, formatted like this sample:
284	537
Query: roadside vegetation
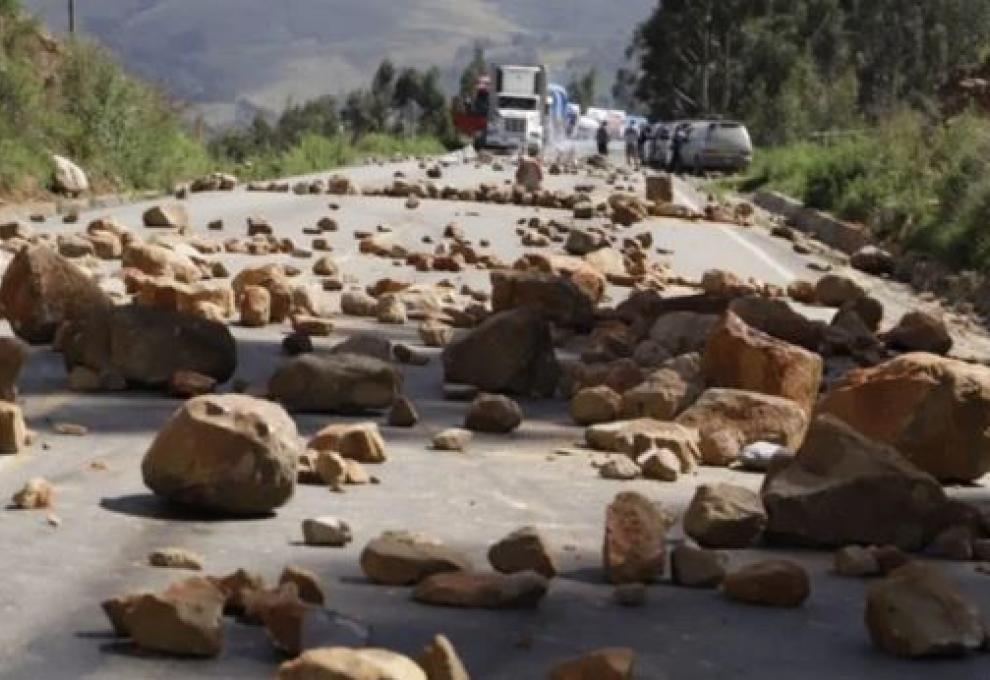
845	102
73	98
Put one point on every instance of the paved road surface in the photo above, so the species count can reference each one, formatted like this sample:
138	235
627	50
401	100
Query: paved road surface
54	578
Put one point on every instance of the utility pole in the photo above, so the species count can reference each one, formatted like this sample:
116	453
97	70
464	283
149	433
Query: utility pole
72	17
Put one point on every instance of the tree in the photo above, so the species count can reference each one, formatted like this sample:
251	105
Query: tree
583	89
473	71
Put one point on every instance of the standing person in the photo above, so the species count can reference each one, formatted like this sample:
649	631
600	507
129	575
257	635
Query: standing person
645	135
676	144
603	137
632	145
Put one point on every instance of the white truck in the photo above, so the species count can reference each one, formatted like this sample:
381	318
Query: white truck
517	116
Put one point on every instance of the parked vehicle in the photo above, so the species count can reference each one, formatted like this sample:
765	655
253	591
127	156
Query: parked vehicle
517	118
708	145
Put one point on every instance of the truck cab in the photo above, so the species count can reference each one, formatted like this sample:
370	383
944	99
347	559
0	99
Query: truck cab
518	110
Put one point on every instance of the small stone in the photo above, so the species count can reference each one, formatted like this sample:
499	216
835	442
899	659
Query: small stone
189	384
70	429
697	568
458	392
620	468
175	558
361	442
306	582
37	493
343	663
331	468
595	405
523	550
661	465
856	562
453	439
725	516
603	664
400	558
523	590
403	413
493	414
326	531
634	547
773	583
433	333
409	356
440	661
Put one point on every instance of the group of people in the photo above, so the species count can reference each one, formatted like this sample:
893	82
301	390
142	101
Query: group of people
636	141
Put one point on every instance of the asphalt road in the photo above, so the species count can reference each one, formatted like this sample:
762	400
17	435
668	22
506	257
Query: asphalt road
54	577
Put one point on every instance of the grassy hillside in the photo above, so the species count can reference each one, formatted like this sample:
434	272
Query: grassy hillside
217	52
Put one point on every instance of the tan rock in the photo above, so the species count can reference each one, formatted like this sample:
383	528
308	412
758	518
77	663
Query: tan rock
667	391
521	590
403	413
36	494
634	546
697	567
256	307
185	620
660	464
12	357
493	414
523	550
440	661
725	516
341	663
434	333
740	357
833	290
452	439
307	584
593	405
175	558
361	442
13	431
326	531
400	558
171	216
920	331
603	664
340	383
772	583
917	612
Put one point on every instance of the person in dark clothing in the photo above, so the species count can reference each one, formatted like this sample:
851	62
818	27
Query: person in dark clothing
645	135
676	144
603	138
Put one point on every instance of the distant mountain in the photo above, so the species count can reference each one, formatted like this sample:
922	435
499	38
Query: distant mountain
230	55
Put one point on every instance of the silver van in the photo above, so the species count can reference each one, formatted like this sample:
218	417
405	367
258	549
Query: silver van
709	145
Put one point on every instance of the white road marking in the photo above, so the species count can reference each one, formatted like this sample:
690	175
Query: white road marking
780	269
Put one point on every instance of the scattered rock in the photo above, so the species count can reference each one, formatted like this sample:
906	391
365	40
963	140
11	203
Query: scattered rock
306	582
920	331
772	583
873	260
172	216
660	464
833	290
725	516
667	391
433	333
917	612
633	549
12	357
13	431
399	558
493	414
594	405
523	550
403	413
856	562
342	383
36	494
440	661
361	442
620	468
934	411
603	664
452	439
511	352
342	663
175	558
697	568
326	531
558	298
522	590
842	488
231	454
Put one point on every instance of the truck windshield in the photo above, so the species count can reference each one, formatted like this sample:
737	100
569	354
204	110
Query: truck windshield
517	103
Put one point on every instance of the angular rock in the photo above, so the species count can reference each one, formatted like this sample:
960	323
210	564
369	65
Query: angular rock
399	558
833	290
729	420
366	345
920	331
453	439
342	383
683	332
307	584
740	357
147	346
620	468
522	590
361	442
342	663
326	531
440	661
172	216
873	260
772	583
777	319
185	620
13	431
175	558
493	414
724	516
697	568
523	550
934	411
857	562
231	454
843	488
36	494
256	307
603	664
634	547
667	391
917	612
433	333
556	297
594	405
41	289
12	357
660	464
511	353
403	413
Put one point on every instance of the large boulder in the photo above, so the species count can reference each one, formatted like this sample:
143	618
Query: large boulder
920	331
340	383
69	177
511	352
935	411
146	346
231	454
41	290
741	357
835	290
917	612
730	420
559	298
724	516
778	319
842	488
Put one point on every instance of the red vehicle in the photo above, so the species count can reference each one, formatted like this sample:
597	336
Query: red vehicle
471	114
